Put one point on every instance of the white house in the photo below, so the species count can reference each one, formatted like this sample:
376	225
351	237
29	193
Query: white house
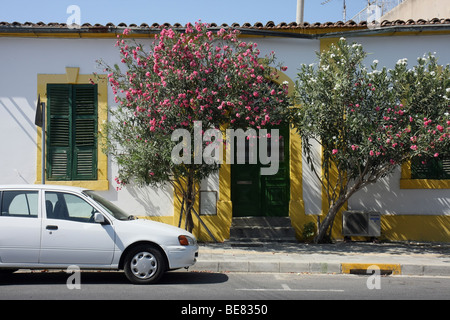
53	62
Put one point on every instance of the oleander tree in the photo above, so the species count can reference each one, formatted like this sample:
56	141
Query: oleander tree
182	78
368	121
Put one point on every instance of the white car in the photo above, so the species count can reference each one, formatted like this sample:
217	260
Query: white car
54	227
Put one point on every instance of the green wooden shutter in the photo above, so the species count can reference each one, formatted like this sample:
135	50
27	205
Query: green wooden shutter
58	132
72	132
85	132
433	168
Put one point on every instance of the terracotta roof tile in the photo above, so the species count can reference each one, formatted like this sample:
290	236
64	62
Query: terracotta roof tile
270	25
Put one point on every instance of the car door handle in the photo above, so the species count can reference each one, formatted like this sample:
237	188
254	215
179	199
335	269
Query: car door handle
52	227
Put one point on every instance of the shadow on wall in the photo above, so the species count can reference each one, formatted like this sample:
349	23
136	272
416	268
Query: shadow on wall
22	114
387	197
148	196
407	214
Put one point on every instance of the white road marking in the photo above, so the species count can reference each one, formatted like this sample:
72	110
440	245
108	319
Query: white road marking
287	288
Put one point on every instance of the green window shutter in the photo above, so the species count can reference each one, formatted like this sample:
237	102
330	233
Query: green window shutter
58	132
85	132
433	168
72	132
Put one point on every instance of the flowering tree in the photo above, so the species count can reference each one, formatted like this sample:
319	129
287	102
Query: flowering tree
369	121
185	77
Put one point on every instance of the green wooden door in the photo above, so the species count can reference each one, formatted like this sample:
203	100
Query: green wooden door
254	194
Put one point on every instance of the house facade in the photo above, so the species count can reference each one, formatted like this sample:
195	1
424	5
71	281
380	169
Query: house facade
56	64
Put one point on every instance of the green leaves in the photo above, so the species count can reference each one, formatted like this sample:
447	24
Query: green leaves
196	75
372	119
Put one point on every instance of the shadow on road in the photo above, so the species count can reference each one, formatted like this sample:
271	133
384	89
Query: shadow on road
24	277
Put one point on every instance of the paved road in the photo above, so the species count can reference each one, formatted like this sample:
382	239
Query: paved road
192	286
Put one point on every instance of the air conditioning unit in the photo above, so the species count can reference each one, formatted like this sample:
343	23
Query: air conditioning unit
360	223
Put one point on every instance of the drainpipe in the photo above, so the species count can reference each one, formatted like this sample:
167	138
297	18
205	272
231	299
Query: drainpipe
300	11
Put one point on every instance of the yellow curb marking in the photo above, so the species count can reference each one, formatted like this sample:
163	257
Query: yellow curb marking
348	267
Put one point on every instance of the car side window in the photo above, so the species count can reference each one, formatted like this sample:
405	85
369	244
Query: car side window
67	206
19	204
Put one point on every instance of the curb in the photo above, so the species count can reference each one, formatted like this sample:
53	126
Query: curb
366	268
319	267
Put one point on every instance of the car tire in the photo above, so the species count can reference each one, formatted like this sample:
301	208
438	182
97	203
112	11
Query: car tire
144	264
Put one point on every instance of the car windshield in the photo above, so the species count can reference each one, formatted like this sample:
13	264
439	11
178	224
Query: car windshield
115	211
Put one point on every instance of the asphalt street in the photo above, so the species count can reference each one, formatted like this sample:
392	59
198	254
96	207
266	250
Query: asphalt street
201	286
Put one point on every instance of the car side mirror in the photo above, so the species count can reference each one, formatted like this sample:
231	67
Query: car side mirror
99	218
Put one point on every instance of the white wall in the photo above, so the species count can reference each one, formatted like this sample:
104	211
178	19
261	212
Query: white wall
21	59
419	9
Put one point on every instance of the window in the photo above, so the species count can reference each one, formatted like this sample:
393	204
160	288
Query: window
19	204
433	168
67	206
72	132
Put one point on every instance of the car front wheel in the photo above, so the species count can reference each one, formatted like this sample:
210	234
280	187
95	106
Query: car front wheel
144	265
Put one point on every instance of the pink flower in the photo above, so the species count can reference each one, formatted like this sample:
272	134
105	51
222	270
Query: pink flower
413	147
436	155
335	151
440	128
372	153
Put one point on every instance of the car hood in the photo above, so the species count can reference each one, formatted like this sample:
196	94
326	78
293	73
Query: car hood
150	230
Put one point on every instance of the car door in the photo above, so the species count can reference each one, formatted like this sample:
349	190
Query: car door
20	226
70	235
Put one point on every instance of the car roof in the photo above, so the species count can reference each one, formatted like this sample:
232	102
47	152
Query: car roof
41	187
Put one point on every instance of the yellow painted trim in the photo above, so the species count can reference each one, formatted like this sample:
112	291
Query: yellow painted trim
325	43
424	184
72	76
433	228
162	219
99	34
296	203
219	224
406	182
347	267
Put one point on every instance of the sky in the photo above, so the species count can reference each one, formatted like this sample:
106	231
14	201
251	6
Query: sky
176	11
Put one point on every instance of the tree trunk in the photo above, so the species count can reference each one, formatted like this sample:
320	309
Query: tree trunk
189	203
327	223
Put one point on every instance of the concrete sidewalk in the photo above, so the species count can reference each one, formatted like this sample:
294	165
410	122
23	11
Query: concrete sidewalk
406	258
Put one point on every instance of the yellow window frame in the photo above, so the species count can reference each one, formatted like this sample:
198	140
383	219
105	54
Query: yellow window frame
72	76
406	182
